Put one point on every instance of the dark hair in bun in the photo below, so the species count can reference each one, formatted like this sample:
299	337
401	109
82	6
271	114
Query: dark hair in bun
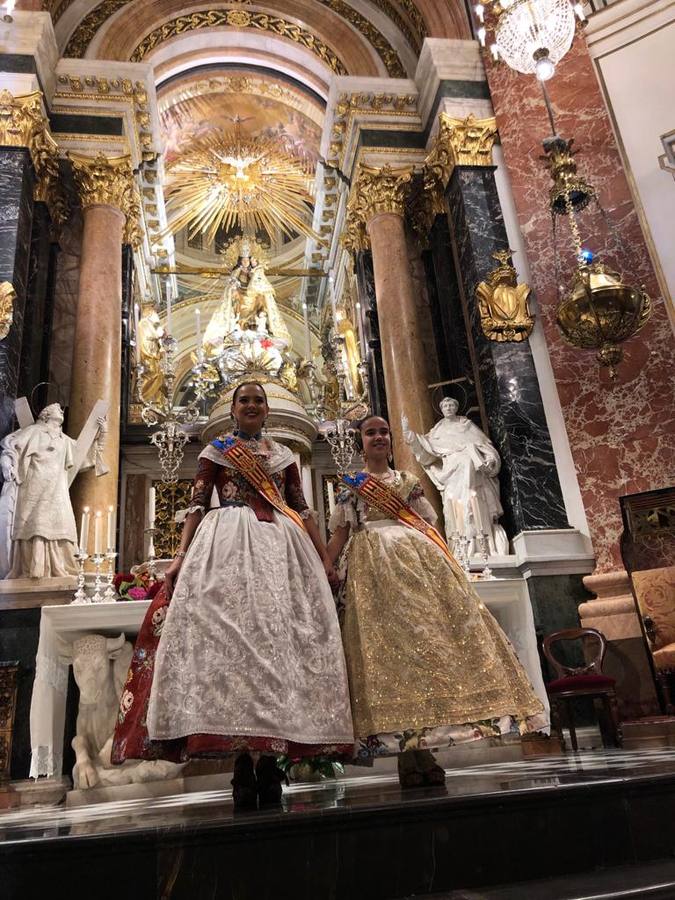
248	384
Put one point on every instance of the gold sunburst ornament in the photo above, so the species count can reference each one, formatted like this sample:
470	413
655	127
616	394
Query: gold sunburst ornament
230	179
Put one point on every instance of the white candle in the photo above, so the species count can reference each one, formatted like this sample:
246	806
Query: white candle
151	508
451	523
111	529
168	307
84	530
137	336
198	323
459	515
475	509
331	496
98	533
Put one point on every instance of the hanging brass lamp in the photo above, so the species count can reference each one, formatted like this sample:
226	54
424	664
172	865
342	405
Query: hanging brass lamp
600	309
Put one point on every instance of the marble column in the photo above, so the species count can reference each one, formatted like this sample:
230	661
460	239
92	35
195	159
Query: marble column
104	186
34	367
378	206
459	177
17	183
371	330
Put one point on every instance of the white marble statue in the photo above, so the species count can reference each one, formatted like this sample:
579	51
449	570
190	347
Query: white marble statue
100	667
37	525
463	464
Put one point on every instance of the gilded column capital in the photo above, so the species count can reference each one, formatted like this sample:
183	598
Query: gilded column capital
376	191
109	181
24	124
459	142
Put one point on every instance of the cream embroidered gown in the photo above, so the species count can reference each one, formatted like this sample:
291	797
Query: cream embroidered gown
428	664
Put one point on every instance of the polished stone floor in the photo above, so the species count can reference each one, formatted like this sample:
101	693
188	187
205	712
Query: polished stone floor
497	780
492	825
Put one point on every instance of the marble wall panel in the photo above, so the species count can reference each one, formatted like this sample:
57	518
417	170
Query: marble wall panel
19	632
65	306
509	390
16	217
622	434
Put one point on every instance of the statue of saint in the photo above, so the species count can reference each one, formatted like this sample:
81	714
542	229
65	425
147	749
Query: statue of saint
149	334
463	464
37	462
248	295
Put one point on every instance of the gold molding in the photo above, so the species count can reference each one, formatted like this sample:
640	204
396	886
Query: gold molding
24	124
461	142
238	18
7	298
376	191
109	181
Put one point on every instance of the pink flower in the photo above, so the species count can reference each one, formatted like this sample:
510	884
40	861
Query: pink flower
137	593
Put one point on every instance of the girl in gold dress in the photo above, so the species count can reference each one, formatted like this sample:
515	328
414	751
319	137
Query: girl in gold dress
428	665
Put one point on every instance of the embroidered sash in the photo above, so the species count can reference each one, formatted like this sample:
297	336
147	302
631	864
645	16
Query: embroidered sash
387	501
255	473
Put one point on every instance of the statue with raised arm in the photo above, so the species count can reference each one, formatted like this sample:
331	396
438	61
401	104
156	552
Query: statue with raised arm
463	464
39	463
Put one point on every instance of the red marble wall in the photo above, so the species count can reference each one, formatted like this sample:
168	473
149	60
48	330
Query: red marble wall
622	434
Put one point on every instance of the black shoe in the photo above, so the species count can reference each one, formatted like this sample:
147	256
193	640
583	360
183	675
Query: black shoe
269	781
244	786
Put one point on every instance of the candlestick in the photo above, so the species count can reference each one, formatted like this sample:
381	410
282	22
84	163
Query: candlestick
84	530
98	533
97	559
109	594
80	596
111	528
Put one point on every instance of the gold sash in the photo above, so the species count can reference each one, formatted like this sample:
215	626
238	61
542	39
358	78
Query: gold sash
388	502
254	472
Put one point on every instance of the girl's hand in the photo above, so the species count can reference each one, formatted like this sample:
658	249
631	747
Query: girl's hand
171	575
331	574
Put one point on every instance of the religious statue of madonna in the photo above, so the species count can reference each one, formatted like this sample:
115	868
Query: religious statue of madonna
248	304
463	464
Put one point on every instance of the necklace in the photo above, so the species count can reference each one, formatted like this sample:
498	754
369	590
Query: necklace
389	475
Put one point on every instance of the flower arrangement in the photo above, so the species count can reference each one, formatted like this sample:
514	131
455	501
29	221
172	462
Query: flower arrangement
139	586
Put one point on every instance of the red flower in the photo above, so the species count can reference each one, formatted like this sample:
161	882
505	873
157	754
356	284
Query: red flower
266	343
120	577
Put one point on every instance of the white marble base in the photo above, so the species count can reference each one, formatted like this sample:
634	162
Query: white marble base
27	593
553	551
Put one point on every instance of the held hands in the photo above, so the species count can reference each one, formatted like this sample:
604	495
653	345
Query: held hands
331	574
171	575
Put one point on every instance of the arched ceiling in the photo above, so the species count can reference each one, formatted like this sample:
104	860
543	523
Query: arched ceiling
346	37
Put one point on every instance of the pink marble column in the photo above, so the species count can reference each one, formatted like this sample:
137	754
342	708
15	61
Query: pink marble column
403	355
97	352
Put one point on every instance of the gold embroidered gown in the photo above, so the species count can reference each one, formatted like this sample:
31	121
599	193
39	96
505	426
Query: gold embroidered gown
428	664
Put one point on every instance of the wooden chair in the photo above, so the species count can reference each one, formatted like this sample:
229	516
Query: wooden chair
582	681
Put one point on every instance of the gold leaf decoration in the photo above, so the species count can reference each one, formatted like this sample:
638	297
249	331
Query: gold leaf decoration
7	298
232	179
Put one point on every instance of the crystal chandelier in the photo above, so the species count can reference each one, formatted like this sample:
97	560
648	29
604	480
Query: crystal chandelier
339	428
531	36
170	437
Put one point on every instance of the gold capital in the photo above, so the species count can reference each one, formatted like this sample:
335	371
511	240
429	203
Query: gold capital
376	191
24	124
109	181
459	142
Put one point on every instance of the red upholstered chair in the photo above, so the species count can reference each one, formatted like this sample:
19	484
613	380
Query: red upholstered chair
582	681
